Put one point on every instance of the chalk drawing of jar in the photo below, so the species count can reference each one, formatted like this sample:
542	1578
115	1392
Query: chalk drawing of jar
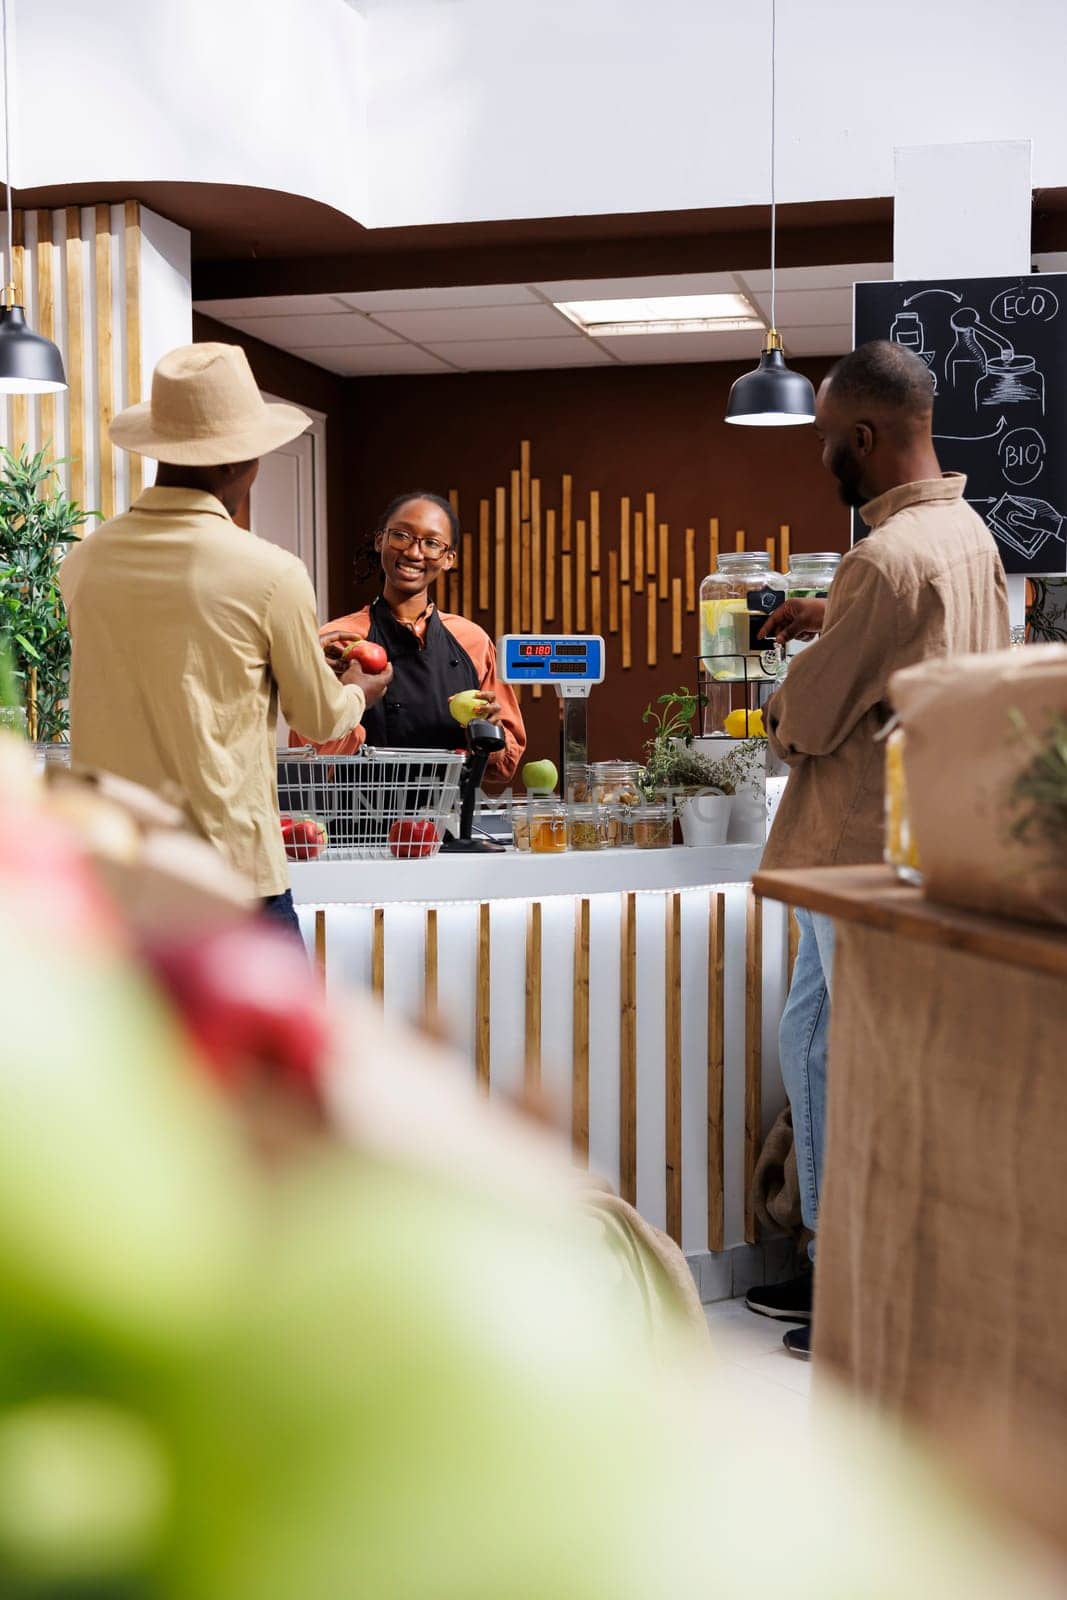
1011	380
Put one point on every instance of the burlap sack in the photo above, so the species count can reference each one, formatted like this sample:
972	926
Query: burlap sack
963	756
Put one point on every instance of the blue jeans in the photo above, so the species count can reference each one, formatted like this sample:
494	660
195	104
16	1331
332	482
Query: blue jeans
803	1039
280	910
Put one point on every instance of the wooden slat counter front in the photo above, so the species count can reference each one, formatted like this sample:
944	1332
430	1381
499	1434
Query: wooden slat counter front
941	1288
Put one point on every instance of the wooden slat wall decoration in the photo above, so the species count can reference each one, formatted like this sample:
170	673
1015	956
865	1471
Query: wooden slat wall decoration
739	540
452	581
613	591
676	616
430	970
515	624
639	552
673	1063
524	480
624	540
594	530
567	597
132	253
595	615
664	573
651	562
628	1047
770	549
753	1054
377	963
466	573
550	565
483	555
651	622
20	403
320	945
566	512
716	1069
75	363
580	575
627	636
482	1061
783	545
713	543
532	1071
690	569
501	535
105	382
580	1051
537	599
46	319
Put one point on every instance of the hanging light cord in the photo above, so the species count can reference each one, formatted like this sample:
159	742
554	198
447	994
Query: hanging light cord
9	276
774	99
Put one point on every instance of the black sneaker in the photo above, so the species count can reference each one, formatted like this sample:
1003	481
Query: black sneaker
791	1301
798	1342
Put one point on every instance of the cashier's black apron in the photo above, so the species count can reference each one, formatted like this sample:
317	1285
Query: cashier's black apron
413	714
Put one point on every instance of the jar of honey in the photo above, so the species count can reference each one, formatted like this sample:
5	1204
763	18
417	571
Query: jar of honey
901	851
548	827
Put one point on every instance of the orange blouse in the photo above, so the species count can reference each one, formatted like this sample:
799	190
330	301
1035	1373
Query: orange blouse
482	651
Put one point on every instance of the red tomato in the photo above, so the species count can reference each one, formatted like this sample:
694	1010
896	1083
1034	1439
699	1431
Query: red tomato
305	838
412	838
368	656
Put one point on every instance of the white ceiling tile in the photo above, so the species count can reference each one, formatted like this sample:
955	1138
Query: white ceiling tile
483	322
300	333
639	288
374	360
643	349
817	341
492	294
513	355
809	308
274	305
825	277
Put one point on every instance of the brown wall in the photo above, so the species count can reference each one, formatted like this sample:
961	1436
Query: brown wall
619	430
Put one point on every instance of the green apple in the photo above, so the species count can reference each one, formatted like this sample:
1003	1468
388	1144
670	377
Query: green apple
540	775
465	706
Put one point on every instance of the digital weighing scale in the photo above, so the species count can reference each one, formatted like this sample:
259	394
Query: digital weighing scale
569	663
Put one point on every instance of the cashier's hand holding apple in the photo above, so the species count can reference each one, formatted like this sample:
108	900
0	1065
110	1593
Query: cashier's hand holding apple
796	619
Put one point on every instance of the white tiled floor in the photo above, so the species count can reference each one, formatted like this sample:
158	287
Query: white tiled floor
757	1366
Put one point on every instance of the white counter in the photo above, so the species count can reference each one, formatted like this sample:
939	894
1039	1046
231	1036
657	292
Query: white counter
515	875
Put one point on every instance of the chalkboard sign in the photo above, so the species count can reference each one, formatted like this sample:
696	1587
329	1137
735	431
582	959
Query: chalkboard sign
997	349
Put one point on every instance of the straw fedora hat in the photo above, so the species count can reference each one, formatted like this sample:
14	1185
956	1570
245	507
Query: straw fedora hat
206	411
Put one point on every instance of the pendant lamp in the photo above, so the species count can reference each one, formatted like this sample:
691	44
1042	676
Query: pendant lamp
29	364
772	396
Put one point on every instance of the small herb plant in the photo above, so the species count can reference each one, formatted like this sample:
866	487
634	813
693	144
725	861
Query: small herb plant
37	523
1039	794
672	763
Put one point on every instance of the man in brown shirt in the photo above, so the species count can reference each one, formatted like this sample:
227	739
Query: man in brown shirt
927	581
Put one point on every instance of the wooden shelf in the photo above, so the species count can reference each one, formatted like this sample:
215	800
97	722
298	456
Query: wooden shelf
875	897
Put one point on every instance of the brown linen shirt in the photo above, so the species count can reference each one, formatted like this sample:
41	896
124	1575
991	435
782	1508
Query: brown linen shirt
928	581
187	631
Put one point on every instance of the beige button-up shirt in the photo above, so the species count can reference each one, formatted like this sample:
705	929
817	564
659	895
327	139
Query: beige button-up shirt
187	631
928	581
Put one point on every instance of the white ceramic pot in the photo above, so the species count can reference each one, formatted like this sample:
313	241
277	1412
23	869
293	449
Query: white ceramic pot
704	817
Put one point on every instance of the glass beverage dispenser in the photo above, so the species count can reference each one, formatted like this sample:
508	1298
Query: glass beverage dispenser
739	669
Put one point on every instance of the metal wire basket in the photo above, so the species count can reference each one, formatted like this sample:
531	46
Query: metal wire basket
358	799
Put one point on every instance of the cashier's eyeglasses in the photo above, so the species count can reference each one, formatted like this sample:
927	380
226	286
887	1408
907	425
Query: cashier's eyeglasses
402	539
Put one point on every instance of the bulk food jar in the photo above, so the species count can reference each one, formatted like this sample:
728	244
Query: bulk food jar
810	575
616	791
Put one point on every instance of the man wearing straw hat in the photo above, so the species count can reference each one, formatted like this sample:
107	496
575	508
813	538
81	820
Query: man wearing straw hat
188	631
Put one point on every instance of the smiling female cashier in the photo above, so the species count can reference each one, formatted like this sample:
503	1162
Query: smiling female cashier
434	654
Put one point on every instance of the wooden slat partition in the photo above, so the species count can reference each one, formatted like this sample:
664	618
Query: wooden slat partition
524	480
550	565
595	614
739	540
628	1047
613	591
580	1051
716	1068
501	537
639	552
451	584
466	573
650	532
377	954
20	403
627	634
320	945
515	624
105	381
566	511
482	1056
537	598
690	569
594	530
580	575
664	573
713	543
673	1063
624	540
770	549
75	354
753	1054
567	607
676	616
650	611
430	969
483	555
132	252
46	317
783	546
532	1069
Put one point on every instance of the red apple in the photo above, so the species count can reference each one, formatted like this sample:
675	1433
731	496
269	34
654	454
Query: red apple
413	838
305	838
368	656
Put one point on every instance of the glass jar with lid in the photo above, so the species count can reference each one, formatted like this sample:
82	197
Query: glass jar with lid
616	790
811	574
735	601
654	825
548	826
584	827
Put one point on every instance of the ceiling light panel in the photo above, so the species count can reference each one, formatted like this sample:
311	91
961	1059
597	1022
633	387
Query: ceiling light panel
679	313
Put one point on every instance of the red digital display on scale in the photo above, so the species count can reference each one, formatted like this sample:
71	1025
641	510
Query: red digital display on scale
535	650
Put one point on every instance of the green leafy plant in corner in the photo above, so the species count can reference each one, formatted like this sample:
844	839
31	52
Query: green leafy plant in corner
1039	794
37	523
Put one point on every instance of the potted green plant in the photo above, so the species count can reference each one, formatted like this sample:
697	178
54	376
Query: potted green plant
701	785
37	523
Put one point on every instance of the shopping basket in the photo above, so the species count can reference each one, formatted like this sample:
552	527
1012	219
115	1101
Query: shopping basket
359	798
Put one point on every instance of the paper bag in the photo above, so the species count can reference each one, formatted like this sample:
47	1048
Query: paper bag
974	726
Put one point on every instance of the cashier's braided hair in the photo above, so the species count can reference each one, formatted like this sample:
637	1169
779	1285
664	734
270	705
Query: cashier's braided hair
367	565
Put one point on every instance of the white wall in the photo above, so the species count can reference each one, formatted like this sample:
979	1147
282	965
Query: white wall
420	111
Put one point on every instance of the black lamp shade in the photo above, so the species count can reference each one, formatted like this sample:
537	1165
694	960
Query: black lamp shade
771	396
29	364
